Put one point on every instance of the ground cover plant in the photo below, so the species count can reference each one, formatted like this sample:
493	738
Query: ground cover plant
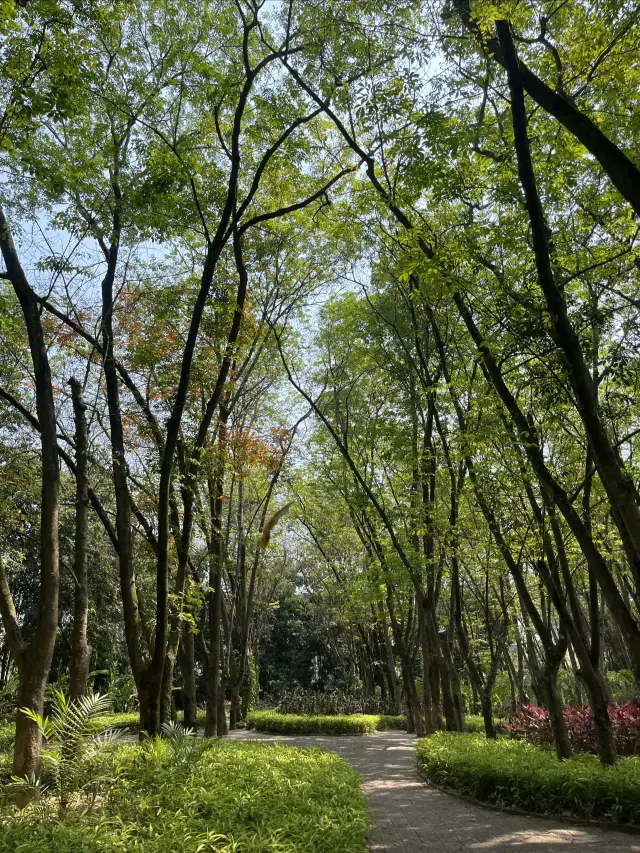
533	724
335	724
520	774
185	795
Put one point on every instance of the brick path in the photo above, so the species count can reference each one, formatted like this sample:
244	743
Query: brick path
412	818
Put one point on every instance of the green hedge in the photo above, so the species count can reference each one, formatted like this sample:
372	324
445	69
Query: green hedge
474	723
116	721
221	797
297	724
522	775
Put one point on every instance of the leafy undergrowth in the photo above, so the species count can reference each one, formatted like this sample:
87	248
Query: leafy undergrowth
335	724
474	723
7	735
116	721
533	724
207	797
519	774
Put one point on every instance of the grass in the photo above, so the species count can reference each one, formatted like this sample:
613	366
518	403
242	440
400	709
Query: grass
299	724
215	797
522	775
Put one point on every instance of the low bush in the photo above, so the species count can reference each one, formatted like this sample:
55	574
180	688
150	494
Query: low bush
7	735
213	796
116	721
300	724
474	723
532	723
522	775
388	722
333	703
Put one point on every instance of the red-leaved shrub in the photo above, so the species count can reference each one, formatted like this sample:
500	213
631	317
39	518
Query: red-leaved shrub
532	723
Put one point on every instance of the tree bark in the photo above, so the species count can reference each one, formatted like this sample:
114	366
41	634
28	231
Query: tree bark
213	722
187	668
80	649
33	658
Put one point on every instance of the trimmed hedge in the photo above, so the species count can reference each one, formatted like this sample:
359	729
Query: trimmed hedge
298	724
521	775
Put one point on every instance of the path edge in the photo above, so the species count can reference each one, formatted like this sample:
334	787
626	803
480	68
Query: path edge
605	825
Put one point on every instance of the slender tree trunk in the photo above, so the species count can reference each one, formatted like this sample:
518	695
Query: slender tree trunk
222	727
549	681
390	665
215	488
166	695
80	649
619	485
187	668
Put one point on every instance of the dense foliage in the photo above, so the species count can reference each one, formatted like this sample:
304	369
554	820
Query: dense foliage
219	797
331	703
533	724
521	775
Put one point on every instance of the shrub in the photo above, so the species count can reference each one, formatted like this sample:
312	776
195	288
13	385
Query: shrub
223	798
7	735
299	724
116	721
519	774
333	703
532	723
475	723
70	742
391	721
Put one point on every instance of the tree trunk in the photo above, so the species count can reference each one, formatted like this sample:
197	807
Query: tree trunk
548	681
187	668
215	487
166	693
80	649
458	721
34	659
390	664
602	721
429	712
28	741
487	714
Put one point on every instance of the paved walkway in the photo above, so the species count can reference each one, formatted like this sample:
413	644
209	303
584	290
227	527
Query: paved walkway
412	818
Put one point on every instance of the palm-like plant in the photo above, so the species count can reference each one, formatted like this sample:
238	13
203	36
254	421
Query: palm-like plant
70	729
182	740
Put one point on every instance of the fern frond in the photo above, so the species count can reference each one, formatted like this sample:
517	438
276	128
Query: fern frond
107	737
43	723
176	731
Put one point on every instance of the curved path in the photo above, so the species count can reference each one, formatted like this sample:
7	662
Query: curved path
413	818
